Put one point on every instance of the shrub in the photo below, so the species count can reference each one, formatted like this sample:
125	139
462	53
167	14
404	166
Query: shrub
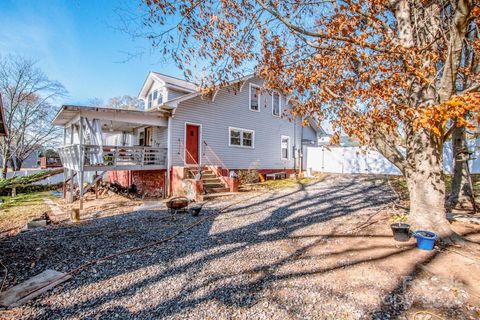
248	176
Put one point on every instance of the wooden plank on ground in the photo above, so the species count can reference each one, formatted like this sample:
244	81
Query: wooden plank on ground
33	287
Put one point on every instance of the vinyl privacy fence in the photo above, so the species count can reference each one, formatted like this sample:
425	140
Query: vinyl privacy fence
331	159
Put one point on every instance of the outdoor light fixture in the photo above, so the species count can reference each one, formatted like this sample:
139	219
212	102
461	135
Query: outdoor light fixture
111	126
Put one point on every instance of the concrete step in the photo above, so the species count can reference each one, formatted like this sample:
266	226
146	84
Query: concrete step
214	186
220	189
208	176
194	171
212	181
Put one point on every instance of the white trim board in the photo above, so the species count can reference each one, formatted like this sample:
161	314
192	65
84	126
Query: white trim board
200	139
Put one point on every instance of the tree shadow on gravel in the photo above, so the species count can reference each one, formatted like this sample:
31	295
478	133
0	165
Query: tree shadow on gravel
188	255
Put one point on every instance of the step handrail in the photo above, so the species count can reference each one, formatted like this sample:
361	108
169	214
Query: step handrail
209	148
182	150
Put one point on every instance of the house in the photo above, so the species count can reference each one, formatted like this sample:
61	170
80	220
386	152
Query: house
181	133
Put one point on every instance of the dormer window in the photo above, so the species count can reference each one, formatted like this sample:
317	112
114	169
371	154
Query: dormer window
160	98
155	94
149	101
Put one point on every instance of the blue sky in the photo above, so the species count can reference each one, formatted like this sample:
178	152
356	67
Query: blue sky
77	43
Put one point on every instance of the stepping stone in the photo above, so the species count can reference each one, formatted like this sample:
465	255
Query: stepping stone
33	287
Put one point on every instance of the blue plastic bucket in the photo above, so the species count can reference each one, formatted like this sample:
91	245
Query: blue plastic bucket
425	239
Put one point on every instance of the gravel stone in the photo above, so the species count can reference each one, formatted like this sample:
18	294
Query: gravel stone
249	259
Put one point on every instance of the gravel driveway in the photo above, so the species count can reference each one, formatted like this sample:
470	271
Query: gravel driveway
263	257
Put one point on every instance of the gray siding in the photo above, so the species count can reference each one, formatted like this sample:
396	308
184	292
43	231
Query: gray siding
159	136
232	110
309	134
172	94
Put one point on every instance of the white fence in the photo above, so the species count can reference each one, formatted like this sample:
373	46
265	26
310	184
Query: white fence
359	160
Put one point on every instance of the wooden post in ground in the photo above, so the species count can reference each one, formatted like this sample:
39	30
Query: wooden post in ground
81	189
69	186
96	184
64	188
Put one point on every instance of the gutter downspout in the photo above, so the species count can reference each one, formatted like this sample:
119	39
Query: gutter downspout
169	155
301	149
295	145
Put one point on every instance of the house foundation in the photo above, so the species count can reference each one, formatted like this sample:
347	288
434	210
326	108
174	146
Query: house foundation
147	183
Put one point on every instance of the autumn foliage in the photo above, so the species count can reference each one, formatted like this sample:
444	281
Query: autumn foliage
396	74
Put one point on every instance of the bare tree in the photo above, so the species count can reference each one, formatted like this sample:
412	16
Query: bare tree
28	96
120	102
125	102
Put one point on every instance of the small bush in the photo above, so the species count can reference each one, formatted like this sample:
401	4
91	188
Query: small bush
248	176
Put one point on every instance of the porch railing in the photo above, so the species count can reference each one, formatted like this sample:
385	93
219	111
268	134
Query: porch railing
93	156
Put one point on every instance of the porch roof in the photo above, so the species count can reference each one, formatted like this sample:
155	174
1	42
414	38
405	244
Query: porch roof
69	114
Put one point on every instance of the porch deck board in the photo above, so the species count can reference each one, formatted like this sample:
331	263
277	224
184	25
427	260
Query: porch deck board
124	167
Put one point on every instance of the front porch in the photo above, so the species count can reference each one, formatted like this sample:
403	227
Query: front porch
98	140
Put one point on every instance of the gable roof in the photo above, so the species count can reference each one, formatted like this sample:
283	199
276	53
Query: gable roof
312	123
173	103
168	81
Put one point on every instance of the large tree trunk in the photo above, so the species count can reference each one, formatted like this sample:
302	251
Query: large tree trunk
461	193
426	184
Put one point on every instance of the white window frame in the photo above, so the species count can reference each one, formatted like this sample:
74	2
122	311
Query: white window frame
241	137
155	95
288	147
252	85
279	104
149	101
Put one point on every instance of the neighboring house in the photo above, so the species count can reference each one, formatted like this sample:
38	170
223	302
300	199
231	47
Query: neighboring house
160	149
31	162
326	133
312	134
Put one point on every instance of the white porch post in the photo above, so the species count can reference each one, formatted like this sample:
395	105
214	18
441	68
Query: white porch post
65	170
169	154
81	162
69	187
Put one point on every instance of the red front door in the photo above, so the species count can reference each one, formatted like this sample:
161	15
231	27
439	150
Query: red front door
191	145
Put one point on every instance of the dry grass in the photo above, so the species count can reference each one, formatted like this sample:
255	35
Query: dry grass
16	212
290	183
400	185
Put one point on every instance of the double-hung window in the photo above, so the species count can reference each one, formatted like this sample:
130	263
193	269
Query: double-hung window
285	146
254	94
241	137
149	101
155	94
276	104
